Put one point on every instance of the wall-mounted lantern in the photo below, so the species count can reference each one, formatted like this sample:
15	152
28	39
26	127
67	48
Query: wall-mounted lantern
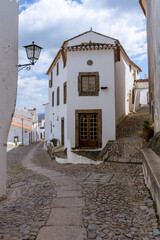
33	52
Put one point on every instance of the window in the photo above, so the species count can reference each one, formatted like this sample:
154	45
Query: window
88	84
52	99
130	67
51	80
51	126
57	69
57	96
64	64
135	75
65	93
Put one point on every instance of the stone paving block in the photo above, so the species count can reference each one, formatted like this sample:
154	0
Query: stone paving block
62	193
62	233
65	217
70	187
68	202
65	181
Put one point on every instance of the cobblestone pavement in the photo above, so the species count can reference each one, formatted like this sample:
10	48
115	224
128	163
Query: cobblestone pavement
128	144
29	197
117	203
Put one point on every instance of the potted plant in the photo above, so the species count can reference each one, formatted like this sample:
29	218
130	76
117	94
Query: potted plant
54	141
147	130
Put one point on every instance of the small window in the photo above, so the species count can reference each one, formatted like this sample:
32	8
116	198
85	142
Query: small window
51	80
52	99
130	67
57	69
133	96
88	84
64	64
65	93
135	77
51	126
57	96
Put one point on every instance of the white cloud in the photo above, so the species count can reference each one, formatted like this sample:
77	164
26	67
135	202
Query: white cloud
32	92
50	22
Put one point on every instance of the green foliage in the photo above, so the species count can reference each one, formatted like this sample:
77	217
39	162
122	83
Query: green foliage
146	124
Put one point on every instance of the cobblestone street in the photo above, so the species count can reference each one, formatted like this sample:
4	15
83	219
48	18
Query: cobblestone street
108	201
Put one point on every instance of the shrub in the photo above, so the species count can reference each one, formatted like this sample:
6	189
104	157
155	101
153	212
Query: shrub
146	124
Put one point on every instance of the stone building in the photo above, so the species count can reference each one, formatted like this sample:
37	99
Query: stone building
90	91
8	76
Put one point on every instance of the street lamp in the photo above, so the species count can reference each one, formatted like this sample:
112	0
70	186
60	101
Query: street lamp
33	52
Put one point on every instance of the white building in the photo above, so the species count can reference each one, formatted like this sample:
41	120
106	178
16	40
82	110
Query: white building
141	88
47	126
151	10
41	129
90	91
8	76
24	127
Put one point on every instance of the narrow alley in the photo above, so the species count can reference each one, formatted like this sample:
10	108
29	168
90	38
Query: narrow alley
49	201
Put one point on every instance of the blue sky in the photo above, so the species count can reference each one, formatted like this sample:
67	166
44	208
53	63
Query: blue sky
50	22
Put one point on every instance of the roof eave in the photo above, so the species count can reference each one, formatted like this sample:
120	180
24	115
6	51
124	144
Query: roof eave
143	9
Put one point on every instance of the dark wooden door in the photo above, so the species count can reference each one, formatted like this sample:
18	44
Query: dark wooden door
88	130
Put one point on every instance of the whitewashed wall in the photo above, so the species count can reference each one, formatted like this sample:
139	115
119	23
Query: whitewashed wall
120	76
143	96
47	122
124	86
153	36
8	76
17	131
57	112
103	62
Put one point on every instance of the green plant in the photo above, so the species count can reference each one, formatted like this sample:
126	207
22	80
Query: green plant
146	124
54	141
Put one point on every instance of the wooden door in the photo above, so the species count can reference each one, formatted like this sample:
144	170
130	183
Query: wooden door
88	130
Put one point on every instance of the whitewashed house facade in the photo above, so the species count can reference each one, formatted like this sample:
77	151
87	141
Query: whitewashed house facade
91	82
47	123
41	129
24	127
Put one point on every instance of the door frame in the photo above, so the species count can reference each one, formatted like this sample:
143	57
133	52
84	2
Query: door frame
77	124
